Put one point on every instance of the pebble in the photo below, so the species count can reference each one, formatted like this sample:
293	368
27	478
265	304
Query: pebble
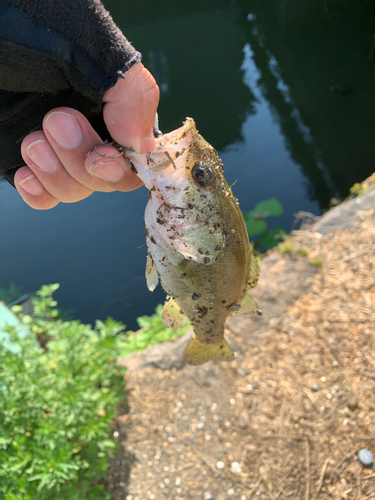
200	425
243	419
207	495
314	387
230	492
353	403
235	467
220	465
365	457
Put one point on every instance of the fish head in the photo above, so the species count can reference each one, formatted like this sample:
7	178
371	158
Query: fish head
188	193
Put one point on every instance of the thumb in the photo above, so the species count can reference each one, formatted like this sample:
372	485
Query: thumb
130	108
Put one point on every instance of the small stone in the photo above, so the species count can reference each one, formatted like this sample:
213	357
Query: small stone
243	419
200	425
230	492
314	387
235	467
353	403
220	465
207	495
365	457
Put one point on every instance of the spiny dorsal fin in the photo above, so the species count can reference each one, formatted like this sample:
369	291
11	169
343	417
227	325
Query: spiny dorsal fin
172	315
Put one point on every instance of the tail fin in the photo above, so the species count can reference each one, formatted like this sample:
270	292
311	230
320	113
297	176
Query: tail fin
198	352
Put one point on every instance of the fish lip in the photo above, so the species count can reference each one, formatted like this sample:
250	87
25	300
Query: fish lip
165	144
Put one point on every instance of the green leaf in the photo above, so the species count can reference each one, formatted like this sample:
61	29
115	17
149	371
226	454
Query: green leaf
273	237
255	226
267	208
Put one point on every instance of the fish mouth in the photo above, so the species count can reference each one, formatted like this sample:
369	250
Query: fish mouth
170	148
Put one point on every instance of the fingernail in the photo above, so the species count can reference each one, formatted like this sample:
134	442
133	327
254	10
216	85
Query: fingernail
107	171
42	155
32	185
64	129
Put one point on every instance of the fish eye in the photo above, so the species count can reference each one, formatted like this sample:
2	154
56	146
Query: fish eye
201	173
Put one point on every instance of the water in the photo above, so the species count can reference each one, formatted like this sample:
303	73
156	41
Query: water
256	77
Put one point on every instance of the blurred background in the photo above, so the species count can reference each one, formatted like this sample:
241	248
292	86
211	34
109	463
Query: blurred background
284	90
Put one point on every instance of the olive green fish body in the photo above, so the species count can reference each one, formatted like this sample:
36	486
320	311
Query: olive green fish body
198	247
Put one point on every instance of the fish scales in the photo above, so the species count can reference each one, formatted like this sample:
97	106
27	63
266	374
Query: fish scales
198	247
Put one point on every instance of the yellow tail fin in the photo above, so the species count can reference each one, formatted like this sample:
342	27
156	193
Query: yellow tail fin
198	352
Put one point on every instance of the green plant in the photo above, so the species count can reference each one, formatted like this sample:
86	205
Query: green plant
257	225
56	406
359	189
11	293
286	248
303	252
317	262
152	331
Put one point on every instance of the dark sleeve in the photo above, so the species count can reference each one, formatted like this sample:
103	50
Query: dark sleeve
55	53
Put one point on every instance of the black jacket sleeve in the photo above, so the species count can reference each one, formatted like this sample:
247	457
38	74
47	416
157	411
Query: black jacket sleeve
55	53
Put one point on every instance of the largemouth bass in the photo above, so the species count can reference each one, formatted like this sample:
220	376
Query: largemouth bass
198	247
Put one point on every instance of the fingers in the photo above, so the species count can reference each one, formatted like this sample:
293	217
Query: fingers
57	167
56	157
47	167
32	190
130	109
71	136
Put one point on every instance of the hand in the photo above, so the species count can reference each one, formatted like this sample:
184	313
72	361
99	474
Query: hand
57	167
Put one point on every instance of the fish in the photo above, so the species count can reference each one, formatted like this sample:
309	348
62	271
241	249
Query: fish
198	246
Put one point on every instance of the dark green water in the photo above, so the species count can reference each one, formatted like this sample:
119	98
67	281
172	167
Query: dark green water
257	77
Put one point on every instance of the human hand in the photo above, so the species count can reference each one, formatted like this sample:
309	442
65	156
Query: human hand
57	168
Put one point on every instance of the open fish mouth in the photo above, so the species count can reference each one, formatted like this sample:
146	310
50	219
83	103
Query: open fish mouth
170	147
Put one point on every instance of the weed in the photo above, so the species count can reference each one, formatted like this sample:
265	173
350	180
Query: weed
359	189
286	247
56	406
317	262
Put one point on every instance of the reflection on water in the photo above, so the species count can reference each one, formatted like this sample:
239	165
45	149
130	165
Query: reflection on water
284	91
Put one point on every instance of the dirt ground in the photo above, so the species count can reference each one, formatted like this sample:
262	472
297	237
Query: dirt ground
287	417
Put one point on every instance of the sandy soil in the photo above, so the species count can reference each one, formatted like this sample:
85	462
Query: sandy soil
286	418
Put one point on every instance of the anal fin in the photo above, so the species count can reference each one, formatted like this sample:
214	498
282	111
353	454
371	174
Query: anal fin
172	315
247	306
198	352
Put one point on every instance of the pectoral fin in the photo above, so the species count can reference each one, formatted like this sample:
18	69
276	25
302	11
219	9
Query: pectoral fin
172	315
198	352
152	278
247	306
